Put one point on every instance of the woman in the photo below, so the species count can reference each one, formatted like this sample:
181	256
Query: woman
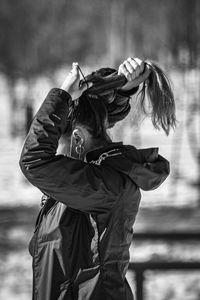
81	243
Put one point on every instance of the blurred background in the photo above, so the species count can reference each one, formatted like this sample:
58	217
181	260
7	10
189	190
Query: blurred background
38	42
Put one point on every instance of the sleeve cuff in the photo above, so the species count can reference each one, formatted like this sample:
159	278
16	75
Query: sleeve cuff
61	93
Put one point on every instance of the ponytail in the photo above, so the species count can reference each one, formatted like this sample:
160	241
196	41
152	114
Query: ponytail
94	108
158	90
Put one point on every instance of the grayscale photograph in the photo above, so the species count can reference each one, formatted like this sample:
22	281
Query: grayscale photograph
100	150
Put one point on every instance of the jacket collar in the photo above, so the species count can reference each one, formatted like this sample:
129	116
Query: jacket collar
95	154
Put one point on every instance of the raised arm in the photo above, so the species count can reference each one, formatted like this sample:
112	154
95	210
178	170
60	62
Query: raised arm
70	181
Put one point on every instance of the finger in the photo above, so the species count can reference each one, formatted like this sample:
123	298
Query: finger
74	69
129	66
86	86
140	64
75	65
123	70
135	66
130	69
75	72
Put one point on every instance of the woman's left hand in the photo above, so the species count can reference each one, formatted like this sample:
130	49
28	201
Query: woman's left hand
71	83
135	71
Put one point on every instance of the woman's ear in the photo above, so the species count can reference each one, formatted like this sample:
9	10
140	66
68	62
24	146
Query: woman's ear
77	144
78	137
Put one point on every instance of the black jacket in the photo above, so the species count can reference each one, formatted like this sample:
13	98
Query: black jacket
81	244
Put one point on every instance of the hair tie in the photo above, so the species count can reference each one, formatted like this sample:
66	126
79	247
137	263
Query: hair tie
81	82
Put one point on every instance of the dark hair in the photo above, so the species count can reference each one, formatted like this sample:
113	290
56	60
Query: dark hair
92	113
158	90
98	112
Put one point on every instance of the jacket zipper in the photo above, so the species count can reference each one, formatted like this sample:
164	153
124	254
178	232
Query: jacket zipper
104	155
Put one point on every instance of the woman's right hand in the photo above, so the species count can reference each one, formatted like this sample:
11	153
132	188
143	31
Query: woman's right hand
135	71
72	83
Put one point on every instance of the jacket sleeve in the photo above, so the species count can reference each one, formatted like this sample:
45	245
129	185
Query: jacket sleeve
73	182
